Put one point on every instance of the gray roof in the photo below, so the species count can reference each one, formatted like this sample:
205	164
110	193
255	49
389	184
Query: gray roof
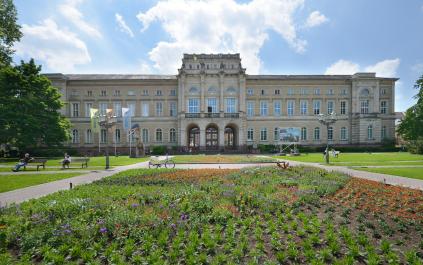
314	77
84	77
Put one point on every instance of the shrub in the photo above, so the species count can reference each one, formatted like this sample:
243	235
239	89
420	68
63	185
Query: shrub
159	150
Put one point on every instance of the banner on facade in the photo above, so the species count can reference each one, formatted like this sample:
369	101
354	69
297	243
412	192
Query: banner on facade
289	135
126	115
94	115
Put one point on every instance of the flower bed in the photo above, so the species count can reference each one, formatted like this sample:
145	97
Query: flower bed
253	216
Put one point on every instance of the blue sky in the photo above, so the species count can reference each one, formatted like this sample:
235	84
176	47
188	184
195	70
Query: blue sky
272	36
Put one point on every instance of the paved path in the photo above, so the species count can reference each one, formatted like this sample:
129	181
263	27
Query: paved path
48	172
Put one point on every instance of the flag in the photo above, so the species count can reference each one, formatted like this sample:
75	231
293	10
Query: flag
94	115
126	114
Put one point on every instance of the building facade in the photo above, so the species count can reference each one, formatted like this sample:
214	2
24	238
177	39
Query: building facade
212	104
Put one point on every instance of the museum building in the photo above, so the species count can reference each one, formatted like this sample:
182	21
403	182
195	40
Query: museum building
213	105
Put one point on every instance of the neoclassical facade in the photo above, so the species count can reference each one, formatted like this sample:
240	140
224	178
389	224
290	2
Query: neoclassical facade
212	104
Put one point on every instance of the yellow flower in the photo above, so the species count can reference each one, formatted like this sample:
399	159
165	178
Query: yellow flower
2	226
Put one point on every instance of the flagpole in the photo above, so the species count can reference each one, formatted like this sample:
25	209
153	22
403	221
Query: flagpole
130	143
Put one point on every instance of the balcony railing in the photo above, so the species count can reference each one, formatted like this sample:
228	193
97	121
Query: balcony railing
232	115
192	115
212	115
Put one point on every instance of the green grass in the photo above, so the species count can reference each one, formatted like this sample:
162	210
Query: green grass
365	159
409	172
220	159
15	181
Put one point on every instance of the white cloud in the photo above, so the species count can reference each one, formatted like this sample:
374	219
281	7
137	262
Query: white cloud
385	68
59	48
123	26
342	67
220	26
70	11
315	19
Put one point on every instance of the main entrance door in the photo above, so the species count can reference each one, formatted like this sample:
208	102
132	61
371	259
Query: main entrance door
212	138
194	137
230	138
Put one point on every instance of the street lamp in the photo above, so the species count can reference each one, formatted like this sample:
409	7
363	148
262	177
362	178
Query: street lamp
107	122
327	119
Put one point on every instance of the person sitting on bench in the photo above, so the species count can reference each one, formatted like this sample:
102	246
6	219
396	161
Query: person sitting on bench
282	164
23	162
66	162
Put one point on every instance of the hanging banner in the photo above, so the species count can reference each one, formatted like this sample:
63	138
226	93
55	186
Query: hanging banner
126	115
94	115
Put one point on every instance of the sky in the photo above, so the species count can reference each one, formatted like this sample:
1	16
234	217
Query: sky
272	36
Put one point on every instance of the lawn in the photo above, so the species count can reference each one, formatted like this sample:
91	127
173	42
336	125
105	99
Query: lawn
185	159
15	181
262	215
409	172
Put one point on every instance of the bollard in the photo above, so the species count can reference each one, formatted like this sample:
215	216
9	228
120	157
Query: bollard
70	185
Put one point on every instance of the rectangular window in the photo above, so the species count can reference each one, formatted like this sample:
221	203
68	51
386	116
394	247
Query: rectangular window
364	107
145	109
304	91
75	109
172	109
158	92
103	136
88	107
316	107
276	134
330	91
159	109
103	108
263	108
277	92
330	133
290	91
290	107
145	92
263	134
131	107
90	93
230	105
343	107
317	133
212	105
131	93
117	136
250	108
193	105
277	108
383	107
343	133
103	93
250	134
343	92
117	93
330	107
383	132
144	135
304	134
317	91
173	92
117	109
303	107
250	91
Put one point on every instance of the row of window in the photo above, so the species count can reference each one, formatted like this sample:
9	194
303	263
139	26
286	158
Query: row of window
193	105
117	109
117	136
290	107
296	91
117	93
316	133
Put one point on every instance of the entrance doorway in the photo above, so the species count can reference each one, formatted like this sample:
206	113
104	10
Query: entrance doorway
212	137
230	138
194	138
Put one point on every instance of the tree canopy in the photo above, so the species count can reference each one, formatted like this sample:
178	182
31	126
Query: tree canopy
9	31
411	127
29	108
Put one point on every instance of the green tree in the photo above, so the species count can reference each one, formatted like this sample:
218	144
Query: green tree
9	31
29	108
411	127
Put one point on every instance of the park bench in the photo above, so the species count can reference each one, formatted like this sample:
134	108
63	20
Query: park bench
38	162
82	160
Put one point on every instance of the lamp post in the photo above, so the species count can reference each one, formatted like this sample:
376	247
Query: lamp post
107	122
327	120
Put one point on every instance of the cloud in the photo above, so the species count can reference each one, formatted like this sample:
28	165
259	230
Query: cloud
220	26
385	68
70	11
122	25
59	48
342	67
417	68
315	19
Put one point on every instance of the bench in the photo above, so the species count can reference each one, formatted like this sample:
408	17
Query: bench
38	162
282	164
82	160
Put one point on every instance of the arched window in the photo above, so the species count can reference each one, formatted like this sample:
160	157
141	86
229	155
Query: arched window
344	135
159	135
364	92
193	90
212	90
276	134
117	136
145	135
330	133
89	137
317	133
172	135
231	90
304	134
370	132
75	136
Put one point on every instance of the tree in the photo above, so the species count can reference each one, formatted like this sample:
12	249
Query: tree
9	31
411	127
29	108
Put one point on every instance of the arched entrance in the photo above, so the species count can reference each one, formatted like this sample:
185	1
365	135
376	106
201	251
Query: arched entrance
193	137
230	137
212	137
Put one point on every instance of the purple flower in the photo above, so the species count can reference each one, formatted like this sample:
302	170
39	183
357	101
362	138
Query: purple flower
103	230
173	226
67	231
100	222
135	205
184	217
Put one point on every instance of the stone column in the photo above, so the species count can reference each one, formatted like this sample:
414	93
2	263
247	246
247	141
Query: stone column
241	100
202	138
202	87
181	94
221	102
221	136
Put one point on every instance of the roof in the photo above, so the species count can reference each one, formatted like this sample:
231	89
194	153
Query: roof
84	77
